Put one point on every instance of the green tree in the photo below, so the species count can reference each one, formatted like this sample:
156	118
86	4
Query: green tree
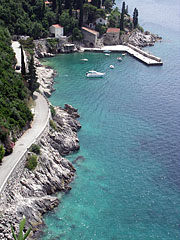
54	5
21	235
68	22
68	5
59	3
77	35
90	11
2	152
23	68
37	30
81	13
108	5
96	3
135	17
122	17
32	77
126	10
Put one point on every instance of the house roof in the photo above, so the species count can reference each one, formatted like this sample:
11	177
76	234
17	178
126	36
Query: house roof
57	26
113	30
90	30
47	2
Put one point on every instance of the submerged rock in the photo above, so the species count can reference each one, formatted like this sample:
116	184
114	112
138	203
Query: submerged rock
78	159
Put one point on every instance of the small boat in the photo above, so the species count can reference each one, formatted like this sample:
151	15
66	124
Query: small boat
84	60
123	54
107	51
107	54
111	66
119	59
94	74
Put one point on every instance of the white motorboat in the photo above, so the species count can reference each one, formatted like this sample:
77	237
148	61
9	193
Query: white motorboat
111	66
123	54
107	54
94	74
119	59
84	60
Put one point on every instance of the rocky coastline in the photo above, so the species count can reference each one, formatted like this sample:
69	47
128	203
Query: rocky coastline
33	193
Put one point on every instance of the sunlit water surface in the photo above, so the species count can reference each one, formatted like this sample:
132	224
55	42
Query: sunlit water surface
128	186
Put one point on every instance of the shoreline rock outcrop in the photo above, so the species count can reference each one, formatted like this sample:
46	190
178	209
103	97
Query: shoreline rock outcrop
33	193
142	39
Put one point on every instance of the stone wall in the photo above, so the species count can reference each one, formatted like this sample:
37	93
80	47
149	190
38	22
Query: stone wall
90	39
111	39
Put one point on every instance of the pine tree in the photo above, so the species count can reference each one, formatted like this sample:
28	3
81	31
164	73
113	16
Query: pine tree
81	13
23	68
122	17
32	77
135	17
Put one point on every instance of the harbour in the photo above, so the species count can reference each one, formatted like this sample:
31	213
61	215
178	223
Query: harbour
135	52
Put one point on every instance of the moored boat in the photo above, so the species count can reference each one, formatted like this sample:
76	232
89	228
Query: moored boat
94	74
119	59
111	66
84	60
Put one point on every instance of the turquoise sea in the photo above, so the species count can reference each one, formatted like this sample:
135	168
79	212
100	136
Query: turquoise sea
128	186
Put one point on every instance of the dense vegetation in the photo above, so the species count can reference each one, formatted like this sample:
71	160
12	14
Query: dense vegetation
33	17
14	113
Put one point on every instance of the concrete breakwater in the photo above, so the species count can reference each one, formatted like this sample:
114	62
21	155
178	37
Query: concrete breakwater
139	54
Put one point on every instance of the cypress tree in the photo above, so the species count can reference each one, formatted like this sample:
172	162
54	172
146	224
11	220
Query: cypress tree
68	5
81	13
122	17
23	68
54	5
135	17
59	7
32	77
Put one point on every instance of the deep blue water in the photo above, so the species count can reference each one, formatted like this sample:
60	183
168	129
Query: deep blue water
128	186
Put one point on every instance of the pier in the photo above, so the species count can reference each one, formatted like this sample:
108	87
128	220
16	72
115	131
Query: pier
135	52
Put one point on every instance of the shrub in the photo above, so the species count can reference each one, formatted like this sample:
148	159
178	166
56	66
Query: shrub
2	152
31	162
53	111
140	28
35	148
53	125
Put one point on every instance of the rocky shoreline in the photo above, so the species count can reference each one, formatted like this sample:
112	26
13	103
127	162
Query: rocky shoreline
33	193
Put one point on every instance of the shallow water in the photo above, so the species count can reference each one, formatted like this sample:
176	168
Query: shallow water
128	186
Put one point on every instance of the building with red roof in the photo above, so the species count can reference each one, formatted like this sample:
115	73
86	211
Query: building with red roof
112	36
56	30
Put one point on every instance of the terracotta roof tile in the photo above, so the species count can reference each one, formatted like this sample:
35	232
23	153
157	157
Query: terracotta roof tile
113	30
90	30
57	26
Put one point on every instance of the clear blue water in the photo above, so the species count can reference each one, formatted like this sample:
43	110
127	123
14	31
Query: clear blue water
128	186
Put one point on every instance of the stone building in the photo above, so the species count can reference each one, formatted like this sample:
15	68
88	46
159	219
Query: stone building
56	30
90	37
112	36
